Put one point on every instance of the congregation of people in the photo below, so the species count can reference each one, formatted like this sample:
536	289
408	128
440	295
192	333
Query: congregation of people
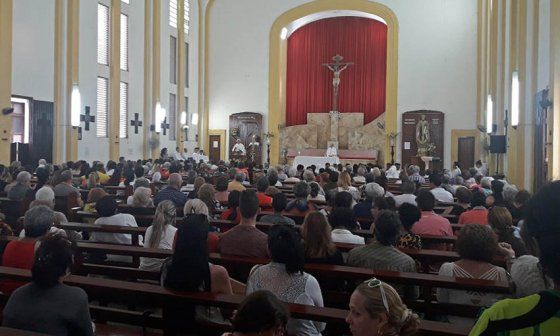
311	212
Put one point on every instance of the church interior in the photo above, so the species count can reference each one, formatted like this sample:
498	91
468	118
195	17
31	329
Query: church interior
279	167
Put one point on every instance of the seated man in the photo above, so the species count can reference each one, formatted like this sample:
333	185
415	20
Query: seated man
407	188
23	184
415	175
440	194
430	223
172	192
535	314
264	200
279	202
380	254
372	191
343	223
245	239
239	148
65	187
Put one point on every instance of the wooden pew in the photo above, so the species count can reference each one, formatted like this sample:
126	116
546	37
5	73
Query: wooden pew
65	204
16	332
114	290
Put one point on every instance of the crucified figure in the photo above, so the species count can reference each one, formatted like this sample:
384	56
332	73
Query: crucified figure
337	67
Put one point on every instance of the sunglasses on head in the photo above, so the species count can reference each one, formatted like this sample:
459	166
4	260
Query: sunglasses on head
376	283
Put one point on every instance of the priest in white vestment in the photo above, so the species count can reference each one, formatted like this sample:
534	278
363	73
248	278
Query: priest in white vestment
332	151
239	147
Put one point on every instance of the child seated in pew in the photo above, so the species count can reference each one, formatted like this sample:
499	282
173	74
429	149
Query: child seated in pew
476	245
232	212
94	195
261	313
160	234
46	305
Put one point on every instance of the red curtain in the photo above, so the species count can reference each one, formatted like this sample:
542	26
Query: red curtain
362	85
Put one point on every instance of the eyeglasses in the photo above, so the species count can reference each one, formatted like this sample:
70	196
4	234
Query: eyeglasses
376	283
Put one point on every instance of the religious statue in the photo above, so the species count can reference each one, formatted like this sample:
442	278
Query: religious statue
422	135
255	146
337	67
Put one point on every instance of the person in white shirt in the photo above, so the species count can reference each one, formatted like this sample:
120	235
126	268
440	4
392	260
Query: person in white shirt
185	155
342	221
160	234
239	147
177	156
456	171
441	195
407	188
332	151
480	169
392	172
195	155
106	208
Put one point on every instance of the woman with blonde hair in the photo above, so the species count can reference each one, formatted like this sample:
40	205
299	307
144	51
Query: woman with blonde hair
206	194
142	198
345	184
376	309
160	234
319	247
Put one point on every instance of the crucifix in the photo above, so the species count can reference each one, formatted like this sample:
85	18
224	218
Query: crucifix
164	126
87	118
136	123
337	67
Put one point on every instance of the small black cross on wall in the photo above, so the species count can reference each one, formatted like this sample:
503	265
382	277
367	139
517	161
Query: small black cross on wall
164	126
136	123
87	118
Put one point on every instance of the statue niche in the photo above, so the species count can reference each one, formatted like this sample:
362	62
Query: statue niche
247	127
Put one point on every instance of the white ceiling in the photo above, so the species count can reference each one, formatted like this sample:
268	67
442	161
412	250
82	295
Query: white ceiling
295	25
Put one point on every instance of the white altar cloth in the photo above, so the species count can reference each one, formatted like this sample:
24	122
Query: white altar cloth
318	161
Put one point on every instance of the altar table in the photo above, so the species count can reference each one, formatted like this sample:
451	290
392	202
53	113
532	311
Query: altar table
318	161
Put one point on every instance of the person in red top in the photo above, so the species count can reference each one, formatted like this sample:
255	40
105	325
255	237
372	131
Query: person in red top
21	253
265	201
478	213
430	223
232	212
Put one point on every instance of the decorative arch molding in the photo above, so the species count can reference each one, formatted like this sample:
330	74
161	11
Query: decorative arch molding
277	62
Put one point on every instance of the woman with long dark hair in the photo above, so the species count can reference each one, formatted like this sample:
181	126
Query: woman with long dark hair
285	277
190	271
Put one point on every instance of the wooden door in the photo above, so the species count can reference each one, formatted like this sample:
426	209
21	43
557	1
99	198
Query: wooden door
42	130
214	154
466	152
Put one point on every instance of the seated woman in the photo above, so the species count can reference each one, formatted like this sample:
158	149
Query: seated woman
285	277
206	194
94	195
38	221
142	198
464	197
93	181
232	212
345	184
501	222
343	223
221	194
190	271
476	245
300	206
409	214
140	182
46	305
319	247
376	309
261	313
197	207
160	234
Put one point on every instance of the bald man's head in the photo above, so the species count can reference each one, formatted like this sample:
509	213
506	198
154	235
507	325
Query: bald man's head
175	180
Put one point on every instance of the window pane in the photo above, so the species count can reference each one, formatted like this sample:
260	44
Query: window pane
187	11
172	116
173	60
123	110
102	34
173	13
102	107
124	42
